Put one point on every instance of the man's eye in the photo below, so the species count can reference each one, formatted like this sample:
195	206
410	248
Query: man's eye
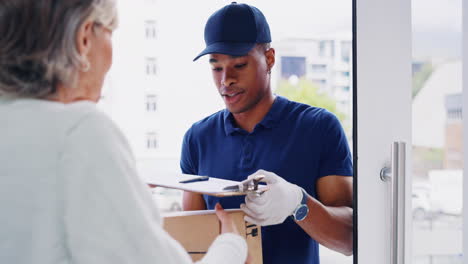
217	69
238	66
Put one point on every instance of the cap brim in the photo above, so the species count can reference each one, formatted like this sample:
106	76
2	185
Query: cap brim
233	49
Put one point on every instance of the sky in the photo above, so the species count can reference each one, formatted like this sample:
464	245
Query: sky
302	18
437	15
437	28
436	23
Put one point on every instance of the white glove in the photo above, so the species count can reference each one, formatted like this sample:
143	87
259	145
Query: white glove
274	205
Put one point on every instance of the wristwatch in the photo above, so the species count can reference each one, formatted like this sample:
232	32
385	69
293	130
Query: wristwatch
301	210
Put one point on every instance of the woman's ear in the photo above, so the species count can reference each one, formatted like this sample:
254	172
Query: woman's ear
83	38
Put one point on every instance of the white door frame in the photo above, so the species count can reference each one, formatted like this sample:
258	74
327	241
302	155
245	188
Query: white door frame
465	126
383	75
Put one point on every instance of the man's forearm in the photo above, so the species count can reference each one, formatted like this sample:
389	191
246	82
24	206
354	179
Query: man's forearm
330	226
192	201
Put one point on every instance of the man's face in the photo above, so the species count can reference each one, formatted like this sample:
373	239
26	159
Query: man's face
241	81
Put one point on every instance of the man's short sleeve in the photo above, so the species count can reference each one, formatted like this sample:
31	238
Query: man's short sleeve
335	157
187	164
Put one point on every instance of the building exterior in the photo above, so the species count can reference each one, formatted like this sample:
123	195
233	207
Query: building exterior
154	91
453	150
325	60
436	131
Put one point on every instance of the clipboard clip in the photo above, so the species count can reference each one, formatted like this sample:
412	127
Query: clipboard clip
249	185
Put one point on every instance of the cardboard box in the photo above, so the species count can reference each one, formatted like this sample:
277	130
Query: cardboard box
196	230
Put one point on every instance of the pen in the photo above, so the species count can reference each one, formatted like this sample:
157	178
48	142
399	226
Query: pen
201	178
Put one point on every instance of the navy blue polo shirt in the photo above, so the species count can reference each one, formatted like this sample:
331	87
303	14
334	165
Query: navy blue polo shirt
296	141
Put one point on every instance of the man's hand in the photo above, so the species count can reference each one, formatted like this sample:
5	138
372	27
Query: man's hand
273	206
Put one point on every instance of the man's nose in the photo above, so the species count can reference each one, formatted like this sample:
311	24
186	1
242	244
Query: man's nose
229	78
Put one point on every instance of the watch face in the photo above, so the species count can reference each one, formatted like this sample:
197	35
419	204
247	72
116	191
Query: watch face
301	212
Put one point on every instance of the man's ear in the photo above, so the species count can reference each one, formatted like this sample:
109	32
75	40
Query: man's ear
270	58
83	38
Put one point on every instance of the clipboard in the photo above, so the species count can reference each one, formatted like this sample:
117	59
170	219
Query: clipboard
212	186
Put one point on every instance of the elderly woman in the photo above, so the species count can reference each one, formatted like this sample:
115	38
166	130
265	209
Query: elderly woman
69	192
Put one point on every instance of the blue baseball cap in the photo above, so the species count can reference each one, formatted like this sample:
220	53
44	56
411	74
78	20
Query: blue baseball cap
234	30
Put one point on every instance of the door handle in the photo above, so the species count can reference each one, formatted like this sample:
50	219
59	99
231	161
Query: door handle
396	176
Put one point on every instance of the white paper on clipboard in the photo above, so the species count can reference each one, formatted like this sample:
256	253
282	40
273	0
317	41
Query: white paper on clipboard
213	186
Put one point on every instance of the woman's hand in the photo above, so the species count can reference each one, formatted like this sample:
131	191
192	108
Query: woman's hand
227	225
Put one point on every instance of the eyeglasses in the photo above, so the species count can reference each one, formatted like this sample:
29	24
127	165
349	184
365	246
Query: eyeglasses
100	25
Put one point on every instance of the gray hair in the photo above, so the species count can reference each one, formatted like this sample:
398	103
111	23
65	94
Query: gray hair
38	44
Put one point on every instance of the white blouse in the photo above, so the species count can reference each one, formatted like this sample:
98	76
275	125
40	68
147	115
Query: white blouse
70	193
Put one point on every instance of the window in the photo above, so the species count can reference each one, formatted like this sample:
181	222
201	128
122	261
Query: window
327	48
346	51
151	66
320	81
453	106
150	29
151	102
152	140
189	92
437	137
322	49
293	66
318	68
